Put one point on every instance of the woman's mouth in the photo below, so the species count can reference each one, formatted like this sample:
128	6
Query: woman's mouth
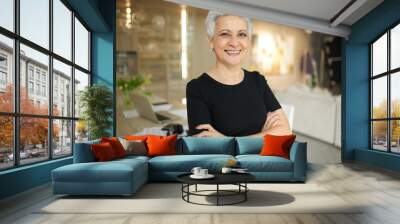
233	52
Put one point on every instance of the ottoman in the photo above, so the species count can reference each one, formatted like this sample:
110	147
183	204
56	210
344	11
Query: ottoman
118	177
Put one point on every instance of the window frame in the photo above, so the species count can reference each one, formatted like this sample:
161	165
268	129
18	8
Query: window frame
388	74
16	114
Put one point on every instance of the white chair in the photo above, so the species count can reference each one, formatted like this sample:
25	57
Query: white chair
288	109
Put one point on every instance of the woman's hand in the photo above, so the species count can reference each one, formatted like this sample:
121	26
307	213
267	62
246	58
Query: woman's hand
276	124
273	119
208	131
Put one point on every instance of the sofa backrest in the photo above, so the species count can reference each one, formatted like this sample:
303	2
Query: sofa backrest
190	146
83	152
210	145
249	145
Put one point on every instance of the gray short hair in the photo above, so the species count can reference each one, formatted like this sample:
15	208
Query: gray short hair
212	19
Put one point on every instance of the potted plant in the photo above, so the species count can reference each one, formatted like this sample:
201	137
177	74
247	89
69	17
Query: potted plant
96	102
136	83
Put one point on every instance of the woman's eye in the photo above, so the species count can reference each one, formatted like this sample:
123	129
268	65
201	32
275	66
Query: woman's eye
224	34
243	35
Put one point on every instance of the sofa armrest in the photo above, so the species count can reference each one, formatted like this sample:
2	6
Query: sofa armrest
298	155
83	152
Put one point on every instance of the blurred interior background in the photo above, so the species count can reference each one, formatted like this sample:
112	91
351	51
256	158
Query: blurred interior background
165	45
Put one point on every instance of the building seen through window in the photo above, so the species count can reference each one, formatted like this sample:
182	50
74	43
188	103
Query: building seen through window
385	92
34	142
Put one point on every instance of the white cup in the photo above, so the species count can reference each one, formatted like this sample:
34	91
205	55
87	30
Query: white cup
196	171
226	170
203	172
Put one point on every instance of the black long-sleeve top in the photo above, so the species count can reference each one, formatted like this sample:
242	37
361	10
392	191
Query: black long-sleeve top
233	110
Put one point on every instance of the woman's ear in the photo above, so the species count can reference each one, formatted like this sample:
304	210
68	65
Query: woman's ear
210	43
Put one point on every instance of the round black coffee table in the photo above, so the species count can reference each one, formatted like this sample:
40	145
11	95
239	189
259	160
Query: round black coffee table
238	179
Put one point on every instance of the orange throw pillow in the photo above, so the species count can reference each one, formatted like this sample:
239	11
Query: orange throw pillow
116	145
136	137
161	145
277	145
103	152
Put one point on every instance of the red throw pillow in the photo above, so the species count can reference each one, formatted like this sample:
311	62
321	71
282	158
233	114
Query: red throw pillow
277	145
161	145
116	145
103	151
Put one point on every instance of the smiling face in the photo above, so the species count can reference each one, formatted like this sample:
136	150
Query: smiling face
231	40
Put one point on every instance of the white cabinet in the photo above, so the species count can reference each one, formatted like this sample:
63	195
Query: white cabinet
316	113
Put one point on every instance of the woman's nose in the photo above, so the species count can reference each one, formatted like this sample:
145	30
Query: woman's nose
233	41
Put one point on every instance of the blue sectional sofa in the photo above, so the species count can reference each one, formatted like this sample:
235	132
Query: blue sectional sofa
125	176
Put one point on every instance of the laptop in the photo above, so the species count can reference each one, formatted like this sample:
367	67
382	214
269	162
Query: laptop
145	110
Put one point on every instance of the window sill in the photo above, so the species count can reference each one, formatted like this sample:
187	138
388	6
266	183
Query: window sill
381	159
26	167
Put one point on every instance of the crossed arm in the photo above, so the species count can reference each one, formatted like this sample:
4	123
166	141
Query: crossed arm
275	124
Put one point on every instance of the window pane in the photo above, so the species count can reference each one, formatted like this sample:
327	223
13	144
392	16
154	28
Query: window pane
33	139
7	14
395	94
81	45
81	81
81	131
6	74
62	89
35	21
6	142
62	138
379	55
395	138
34	72
395	47
379	135
62	29
379	97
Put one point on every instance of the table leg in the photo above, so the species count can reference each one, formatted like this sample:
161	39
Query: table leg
217	194
245	193
188	190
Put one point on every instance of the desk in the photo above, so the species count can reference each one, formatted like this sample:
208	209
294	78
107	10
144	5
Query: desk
132	125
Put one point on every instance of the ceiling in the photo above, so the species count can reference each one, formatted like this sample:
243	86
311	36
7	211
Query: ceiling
317	15
319	9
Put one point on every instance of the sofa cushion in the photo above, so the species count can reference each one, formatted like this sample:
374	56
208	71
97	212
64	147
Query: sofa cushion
111	171
257	163
249	145
209	145
185	163
130	158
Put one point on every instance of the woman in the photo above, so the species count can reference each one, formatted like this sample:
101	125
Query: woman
228	100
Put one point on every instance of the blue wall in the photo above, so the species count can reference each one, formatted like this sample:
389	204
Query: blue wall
99	15
24	178
355	126
103	54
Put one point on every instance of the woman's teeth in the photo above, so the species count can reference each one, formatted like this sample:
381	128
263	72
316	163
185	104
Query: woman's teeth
232	53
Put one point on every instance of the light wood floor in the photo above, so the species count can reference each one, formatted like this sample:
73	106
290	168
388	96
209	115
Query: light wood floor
353	182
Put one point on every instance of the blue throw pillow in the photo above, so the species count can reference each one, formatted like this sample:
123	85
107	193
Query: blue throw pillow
249	145
206	145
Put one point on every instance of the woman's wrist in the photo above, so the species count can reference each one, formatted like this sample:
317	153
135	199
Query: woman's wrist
278	130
